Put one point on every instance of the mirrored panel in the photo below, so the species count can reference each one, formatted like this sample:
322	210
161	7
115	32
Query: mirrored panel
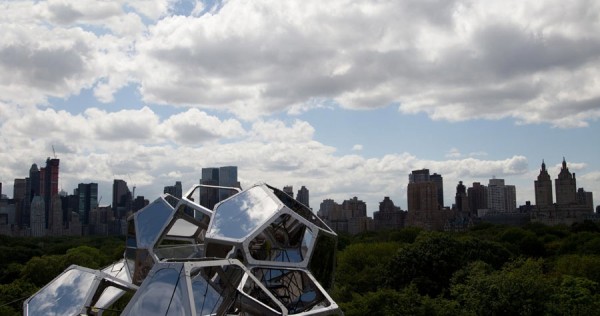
293	288
286	239
154	296
182	228
322	263
241	214
64	296
300	209
182	251
150	221
118	270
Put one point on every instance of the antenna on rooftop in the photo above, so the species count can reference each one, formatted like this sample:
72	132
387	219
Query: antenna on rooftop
54	151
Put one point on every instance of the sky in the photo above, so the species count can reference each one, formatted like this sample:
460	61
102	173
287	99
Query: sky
343	97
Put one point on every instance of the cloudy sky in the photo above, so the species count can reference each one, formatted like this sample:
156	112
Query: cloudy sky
344	97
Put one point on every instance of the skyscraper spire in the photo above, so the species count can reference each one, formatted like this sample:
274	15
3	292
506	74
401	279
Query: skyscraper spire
543	165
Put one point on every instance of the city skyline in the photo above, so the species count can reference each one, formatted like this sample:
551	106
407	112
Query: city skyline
420	175
346	104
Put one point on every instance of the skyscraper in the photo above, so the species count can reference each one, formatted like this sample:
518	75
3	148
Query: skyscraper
19	189
422	192
418	176
566	186
289	190
461	200
121	202
209	196
174	190
227	178
439	184
223	176
543	187
303	196
478	197
88	200
49	185
501	197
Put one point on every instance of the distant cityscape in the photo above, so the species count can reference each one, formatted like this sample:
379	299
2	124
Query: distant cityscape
37	208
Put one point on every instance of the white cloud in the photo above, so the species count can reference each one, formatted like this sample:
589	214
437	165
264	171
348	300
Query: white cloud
357	147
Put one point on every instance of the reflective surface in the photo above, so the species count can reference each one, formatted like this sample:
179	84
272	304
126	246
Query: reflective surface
154	298
182	228
64	296
285	240
240	215
293	288
322	264
177	272
150	221
300	209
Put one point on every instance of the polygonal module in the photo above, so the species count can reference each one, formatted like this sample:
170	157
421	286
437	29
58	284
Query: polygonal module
174	249
210	287
159	231
264	226
76	291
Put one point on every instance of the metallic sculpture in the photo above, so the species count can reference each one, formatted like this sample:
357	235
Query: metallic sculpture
259	252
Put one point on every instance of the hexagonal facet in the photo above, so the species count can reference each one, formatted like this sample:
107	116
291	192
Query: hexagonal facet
240	215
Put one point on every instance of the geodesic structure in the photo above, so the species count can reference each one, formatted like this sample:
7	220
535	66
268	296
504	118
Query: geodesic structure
259	252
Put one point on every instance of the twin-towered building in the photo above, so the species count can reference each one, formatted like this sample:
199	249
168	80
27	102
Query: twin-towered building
495	202
572	205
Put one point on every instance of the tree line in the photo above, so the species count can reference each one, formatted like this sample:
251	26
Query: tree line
488	270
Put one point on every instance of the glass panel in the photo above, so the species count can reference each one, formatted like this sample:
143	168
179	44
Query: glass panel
322	263
118	270
150	221
110	295
206	298
64	296
180	252
182	228
293	288
256	299
154	297
241	214
285	240
300	209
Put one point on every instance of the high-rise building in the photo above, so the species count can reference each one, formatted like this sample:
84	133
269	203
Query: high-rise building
389	215
501	197
439	184
543	187
478	197
422	192
566	186
303	196
289	190
49	185
460	199
38	217
174	193
174	190
209	196
585	198
139	203
19	189
418	176
496	195
227	178
224	177
121	200
19	196
88	200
